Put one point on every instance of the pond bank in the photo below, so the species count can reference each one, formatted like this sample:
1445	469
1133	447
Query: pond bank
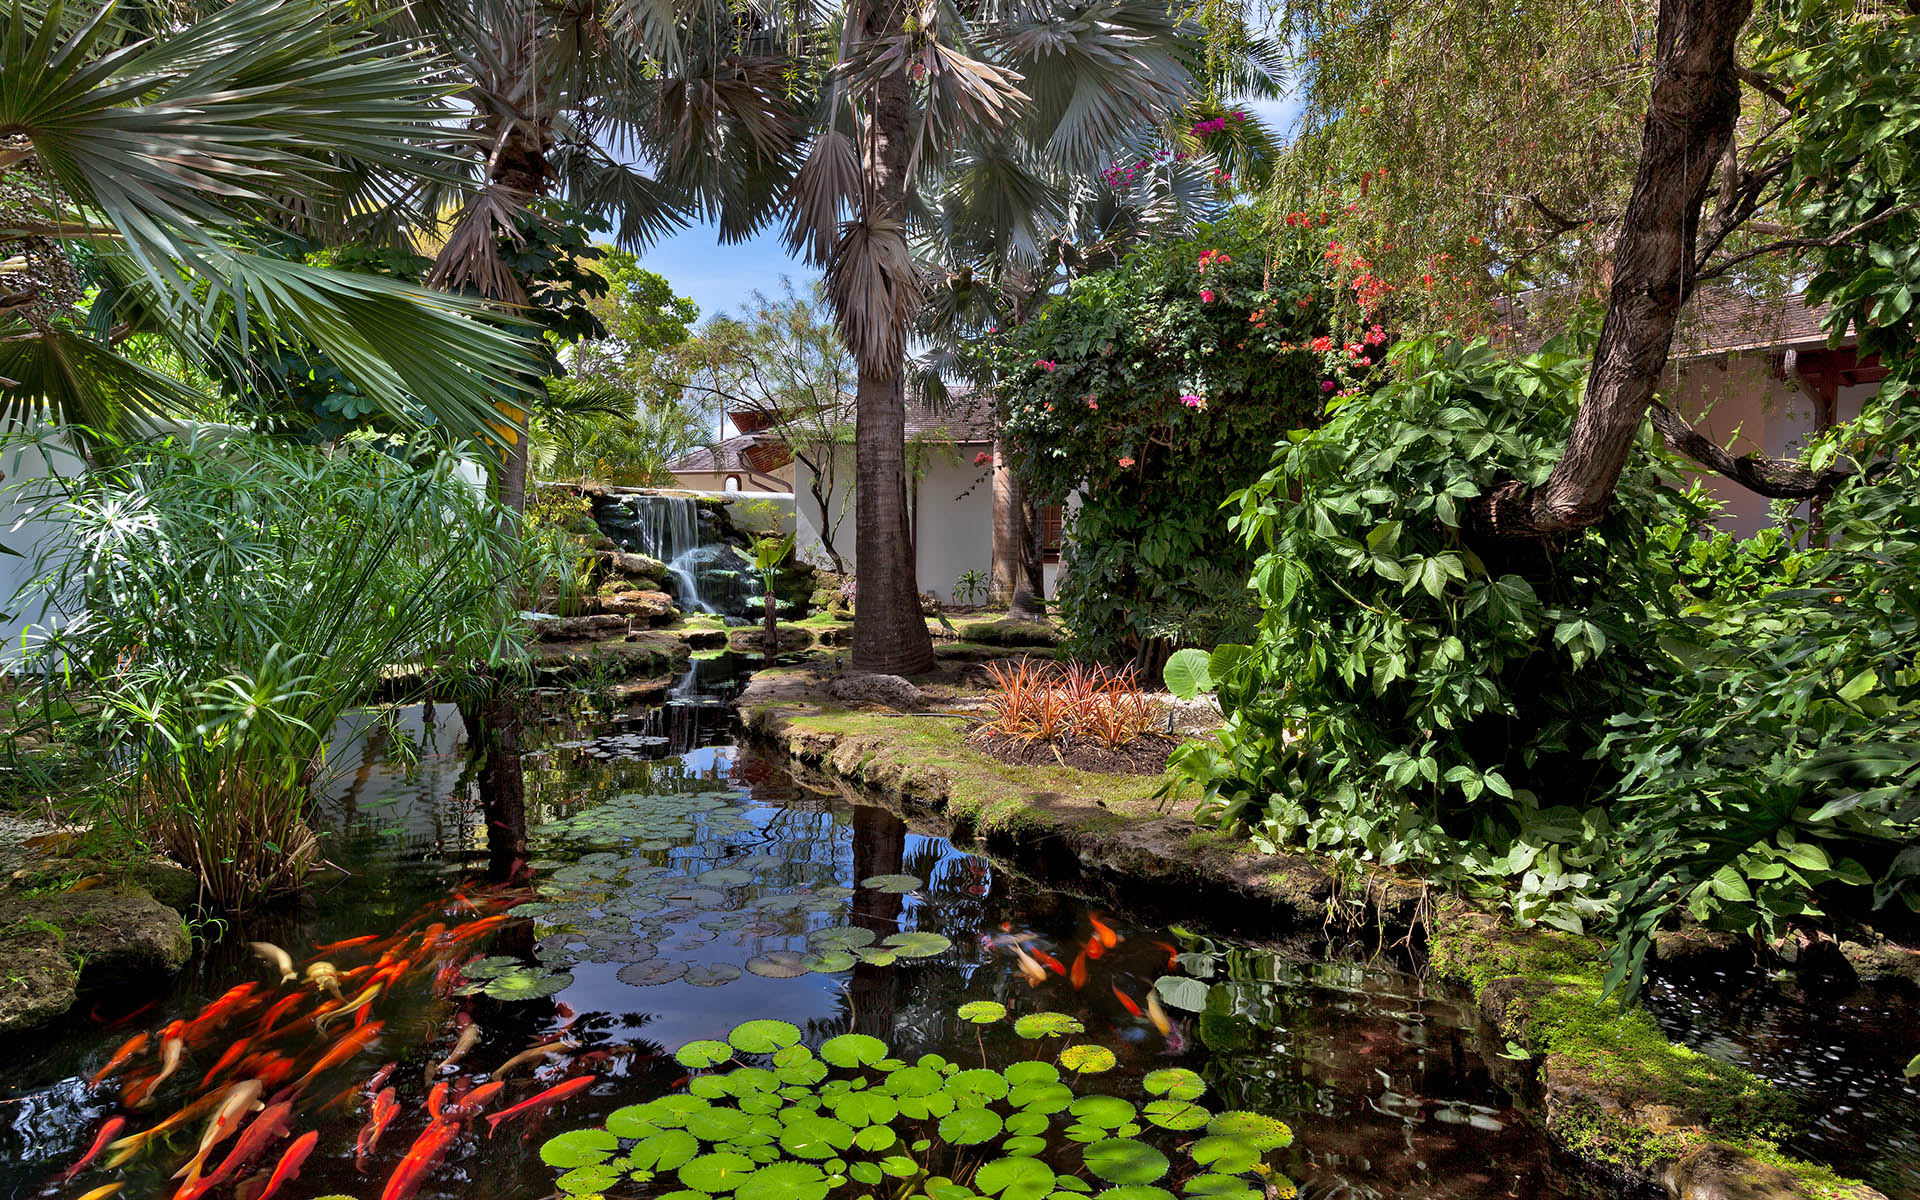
1638	1113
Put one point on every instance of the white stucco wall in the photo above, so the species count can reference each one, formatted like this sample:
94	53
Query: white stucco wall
953	518
1742	403
25	466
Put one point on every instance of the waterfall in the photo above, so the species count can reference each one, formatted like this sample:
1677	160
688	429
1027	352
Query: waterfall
705	572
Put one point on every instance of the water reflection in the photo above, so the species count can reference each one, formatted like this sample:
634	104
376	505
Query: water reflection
678	885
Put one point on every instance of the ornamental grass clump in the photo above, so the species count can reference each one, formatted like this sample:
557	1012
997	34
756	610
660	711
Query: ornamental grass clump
218	609
1040	701
768	1118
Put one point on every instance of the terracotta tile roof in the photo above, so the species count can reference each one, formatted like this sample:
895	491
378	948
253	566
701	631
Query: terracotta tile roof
747	452
966	418
1716	321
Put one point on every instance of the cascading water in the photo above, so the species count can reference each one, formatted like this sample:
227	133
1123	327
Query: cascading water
704	571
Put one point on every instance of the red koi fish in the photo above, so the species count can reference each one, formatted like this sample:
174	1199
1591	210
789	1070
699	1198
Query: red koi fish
1108	938
127	1050
271	1069
423	1156
267	1128
1094	948
289	1167
347	1047
107	1133
379	1078
1048	961
362	940
1078	975
172	1045
436	1098
385	1108
233	1055
215	1014
1127	1001
553	1095
444	979
471	1104
1173	954
281	1008
474	929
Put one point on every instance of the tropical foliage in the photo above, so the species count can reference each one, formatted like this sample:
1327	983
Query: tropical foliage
1171	376
214	607
766	1116
127	217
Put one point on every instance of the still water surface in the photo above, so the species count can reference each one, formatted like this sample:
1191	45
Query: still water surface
681	884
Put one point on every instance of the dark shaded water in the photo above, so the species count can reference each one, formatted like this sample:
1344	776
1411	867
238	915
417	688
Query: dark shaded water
681	885
1840	1055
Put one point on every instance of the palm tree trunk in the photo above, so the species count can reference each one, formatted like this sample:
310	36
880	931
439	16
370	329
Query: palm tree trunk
889	633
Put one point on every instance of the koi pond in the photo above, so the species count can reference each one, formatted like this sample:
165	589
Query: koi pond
434	1030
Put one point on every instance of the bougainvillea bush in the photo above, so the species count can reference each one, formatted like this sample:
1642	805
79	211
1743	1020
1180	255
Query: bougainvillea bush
1152	392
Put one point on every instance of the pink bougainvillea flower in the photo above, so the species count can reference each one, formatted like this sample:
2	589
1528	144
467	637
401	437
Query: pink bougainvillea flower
1092	403
982	458
1206	296
1326	385
1126	461
1196	403
1045	364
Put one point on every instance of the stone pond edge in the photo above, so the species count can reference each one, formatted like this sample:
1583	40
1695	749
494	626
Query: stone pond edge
1630	1109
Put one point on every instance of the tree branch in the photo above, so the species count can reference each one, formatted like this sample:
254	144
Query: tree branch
1809	243
1763	83
1776	478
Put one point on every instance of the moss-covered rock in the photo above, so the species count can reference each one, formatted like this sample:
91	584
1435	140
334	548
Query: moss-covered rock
39	982
117	934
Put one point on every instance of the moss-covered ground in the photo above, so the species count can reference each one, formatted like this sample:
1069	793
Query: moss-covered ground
1604	1081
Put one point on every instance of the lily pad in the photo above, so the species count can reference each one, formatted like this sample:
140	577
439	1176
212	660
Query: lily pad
711	974
780	964
895	884
917	944
656	971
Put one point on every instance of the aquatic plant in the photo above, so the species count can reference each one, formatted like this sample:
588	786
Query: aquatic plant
768	1118
218	604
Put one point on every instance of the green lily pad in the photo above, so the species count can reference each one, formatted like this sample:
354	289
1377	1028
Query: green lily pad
970	1126
580	1148
1175	1083
722	1171
917	944
895	884
763	1037
841	937
1261	1131
648	974
1015	1179
983	1012
527	983
853	1050
780	964
1123	1160
1046	1024
711	974
1088	1059
704	1053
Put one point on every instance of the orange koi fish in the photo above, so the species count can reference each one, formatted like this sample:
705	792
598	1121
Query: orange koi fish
269	1127
289	1167
385	1108
270	1069
435	1099
127	1050
379	1078
1078	975
107	1133
132	1144
1108	938
1094	948
1158	1015
423	1156
172	1045
362	940
236	1106
473	929
553	1095
360	1001
233	1055
470	1104
349	1045
1173	954
1035	973
103	1191
1127	1001
530	1056
281	1008
1048	961
215	1014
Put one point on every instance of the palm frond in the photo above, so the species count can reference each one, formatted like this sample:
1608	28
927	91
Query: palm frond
58	376
874	290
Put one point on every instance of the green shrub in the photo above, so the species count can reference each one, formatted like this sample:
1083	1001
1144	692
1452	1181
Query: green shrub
1152	392
1411	697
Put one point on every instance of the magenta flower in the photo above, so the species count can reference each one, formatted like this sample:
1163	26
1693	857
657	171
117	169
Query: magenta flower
1206	296
981	459
1326	385
1196	403
1045	364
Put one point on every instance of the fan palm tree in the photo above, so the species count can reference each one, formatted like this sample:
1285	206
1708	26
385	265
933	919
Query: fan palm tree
639	114
142	175
995	97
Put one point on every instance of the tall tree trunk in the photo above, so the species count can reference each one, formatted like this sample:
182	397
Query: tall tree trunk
495	727
1691	112
889	633
1027	601
1009	528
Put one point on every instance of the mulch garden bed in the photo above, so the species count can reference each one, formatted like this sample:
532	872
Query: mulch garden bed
1144	756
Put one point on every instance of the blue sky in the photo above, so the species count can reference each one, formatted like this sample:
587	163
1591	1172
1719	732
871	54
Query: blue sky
719	278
